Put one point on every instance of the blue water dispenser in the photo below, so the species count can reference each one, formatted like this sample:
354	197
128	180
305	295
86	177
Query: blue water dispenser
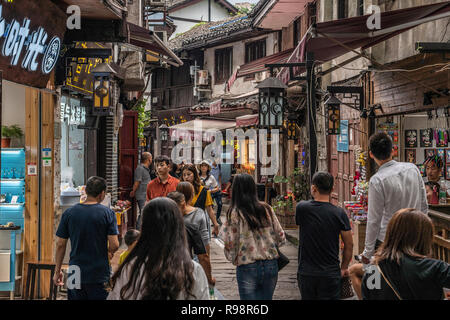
12	206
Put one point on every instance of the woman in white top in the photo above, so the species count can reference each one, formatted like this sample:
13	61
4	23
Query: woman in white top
159	267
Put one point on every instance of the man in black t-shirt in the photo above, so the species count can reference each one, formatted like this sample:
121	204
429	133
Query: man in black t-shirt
321	223
92	230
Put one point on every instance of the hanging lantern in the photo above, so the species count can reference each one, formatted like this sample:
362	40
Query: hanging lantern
291	127
164	132
334	115
271	103
102	89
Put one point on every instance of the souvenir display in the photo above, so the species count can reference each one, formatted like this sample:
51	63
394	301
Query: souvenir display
421	169
430	152
441	137
411	138
410	155
391	129
426	139
447	155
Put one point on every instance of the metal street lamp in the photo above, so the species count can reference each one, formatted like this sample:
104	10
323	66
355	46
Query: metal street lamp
102	89
291	127
271	103
333	115
164	132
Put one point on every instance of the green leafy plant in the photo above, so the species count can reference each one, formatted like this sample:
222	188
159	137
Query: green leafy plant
143	117
13	131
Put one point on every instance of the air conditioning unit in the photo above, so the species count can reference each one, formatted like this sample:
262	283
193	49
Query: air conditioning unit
202	77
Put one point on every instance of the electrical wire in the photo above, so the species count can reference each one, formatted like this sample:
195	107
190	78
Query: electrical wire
445	67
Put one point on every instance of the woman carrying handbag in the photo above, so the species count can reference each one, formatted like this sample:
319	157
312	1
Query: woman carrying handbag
252	236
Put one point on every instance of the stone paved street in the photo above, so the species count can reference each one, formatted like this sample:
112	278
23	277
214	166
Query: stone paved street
225	274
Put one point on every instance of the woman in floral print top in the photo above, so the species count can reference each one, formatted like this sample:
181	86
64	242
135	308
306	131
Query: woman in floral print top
251	235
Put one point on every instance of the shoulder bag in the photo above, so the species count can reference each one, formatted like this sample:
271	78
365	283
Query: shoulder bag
389	284
282	260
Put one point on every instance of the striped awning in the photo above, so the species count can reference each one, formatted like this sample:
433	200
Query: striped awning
259	65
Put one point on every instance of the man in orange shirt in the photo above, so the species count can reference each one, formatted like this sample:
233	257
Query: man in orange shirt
164	183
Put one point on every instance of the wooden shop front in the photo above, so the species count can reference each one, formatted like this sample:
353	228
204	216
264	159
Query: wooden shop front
31	49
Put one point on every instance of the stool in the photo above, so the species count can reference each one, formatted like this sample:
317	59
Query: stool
33	266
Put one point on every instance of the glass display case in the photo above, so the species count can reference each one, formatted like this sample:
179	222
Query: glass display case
12	206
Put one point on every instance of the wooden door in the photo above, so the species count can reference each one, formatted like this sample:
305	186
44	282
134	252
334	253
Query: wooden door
342	165
128	159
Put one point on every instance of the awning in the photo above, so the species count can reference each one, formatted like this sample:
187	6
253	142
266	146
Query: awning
329	40
247	121
279	14
259	65
199	129
141	37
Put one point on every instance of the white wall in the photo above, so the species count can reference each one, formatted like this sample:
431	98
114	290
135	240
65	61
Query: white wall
13	108
240	86
198	11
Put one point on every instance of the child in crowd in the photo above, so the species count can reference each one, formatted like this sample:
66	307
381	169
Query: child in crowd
130	238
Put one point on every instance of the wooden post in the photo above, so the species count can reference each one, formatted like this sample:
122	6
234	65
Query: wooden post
32	201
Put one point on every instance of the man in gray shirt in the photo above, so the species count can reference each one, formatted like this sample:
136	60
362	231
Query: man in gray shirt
141	179
396	185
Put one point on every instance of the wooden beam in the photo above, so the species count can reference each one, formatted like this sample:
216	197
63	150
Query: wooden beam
31	182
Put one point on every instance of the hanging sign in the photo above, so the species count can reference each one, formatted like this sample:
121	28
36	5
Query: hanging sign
30	40
72	115
342	141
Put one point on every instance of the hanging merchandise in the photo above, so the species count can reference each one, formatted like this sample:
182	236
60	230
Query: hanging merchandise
441	137
391	129
426	139
358	207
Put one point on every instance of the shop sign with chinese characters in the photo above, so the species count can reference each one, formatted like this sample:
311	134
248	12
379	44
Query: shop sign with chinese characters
30	40
73	115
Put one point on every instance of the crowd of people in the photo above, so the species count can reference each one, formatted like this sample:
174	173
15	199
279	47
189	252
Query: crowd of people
168	256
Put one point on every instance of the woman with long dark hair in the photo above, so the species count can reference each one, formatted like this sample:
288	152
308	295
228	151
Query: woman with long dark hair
251	235
202	197
403	265
160	267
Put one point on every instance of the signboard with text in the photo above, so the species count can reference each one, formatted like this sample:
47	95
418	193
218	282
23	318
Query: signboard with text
342	139
81	78
31	34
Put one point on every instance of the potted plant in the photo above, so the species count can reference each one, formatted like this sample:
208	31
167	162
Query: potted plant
8	132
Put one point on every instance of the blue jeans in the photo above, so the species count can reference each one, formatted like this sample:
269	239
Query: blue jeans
88	291
257	281
218	198
141	204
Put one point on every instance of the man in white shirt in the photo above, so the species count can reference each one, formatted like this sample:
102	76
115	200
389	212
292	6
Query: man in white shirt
396	185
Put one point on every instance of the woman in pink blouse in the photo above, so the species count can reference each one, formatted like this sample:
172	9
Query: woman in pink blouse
251	235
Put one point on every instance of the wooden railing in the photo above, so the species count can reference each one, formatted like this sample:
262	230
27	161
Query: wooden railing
441	241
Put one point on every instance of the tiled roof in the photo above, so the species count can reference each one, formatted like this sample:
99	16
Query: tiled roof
212	30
